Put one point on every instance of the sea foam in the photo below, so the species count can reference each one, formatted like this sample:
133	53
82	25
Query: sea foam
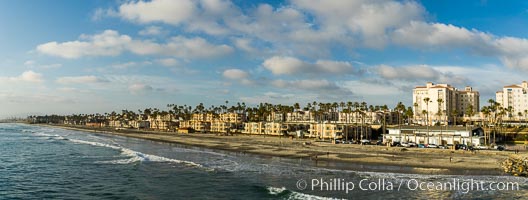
290	195
135	156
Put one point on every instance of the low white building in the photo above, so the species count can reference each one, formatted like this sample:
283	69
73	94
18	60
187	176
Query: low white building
439	135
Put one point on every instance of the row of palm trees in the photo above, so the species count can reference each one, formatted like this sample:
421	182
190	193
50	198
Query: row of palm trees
256	113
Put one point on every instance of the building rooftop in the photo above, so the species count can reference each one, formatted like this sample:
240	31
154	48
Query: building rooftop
512	86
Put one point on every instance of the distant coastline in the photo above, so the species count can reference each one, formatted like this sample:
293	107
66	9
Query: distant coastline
327	155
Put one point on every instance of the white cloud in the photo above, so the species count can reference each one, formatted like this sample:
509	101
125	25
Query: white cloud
166	11
30	63
374	89
408	72
139	88
307	28
26	76
419	73
371	20
305	84
100	13
152	30
168	62
244	44
108	43
34	64
513	52
279	65
238	75
125	65
438	35
79	80
111	43
235	74
181	47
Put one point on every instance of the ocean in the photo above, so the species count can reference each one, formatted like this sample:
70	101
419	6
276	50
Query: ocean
39	162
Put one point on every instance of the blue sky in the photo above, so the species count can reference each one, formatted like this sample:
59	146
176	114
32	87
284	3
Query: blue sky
65	57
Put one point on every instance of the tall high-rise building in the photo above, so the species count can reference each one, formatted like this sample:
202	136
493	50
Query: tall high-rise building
444	101
515	96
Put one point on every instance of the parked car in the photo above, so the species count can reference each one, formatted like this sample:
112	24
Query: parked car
379	142
501	148
421	146
405	144
461	147
412	144
365	141
432	146
481	147
396	144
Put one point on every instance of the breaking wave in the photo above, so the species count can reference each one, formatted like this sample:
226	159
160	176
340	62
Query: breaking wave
135	156
283	193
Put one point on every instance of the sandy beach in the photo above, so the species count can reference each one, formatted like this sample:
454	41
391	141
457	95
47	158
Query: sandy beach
341	156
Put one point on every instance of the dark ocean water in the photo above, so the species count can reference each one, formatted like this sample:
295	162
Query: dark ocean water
52	163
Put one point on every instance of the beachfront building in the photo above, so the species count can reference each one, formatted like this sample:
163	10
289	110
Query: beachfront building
118	123
276	117
233	117
139	124
326	131
516	97
439	135
300	116
162	122
219	126
204	117
254	128
198	126
434	103
369	117
275	128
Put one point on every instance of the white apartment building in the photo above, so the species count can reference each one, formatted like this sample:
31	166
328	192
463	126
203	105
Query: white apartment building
515	96
443	100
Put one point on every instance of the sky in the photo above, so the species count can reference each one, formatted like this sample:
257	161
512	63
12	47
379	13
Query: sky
65	57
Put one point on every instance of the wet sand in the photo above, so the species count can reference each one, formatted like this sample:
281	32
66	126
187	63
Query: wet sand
340	156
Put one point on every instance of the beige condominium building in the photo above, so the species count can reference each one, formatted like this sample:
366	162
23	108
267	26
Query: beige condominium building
515	96
444	100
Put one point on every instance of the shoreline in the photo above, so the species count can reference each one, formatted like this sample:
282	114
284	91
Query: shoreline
367	158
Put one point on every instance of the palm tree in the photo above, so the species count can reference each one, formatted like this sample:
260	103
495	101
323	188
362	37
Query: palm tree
409	113
454	114
426	100
439	112
424	112
525	113
416	109
486	111
470	112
